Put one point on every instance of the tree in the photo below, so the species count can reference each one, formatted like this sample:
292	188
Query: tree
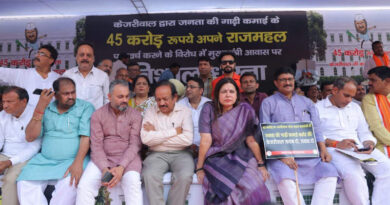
80	33
317	35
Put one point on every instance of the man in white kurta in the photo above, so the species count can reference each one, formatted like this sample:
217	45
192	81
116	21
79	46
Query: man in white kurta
345	127
16	151
91	83
40	77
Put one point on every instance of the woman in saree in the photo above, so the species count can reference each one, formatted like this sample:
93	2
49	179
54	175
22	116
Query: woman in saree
141	101
230	166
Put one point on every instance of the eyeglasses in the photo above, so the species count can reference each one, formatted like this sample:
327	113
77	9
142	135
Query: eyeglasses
283	80
191	87
226	62
43	54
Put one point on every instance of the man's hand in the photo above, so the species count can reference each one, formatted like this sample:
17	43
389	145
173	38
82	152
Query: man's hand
149	127
290	162
264	173
179	130
347	144
117	172
45	99
325	156
368	144
200	174
4	165
75	170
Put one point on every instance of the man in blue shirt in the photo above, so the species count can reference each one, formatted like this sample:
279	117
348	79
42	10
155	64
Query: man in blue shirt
64	126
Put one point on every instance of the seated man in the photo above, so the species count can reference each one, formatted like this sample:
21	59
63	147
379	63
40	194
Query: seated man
194	101
249	85
16	151
345	127
115	146
64	127
286	106
376	107
168	131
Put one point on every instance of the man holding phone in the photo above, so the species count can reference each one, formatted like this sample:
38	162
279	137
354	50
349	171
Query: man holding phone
345	127
115	146
40	77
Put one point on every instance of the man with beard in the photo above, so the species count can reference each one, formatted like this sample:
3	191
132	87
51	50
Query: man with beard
228	66
40	77
92	83
106	66
194	101
167	130
115	146
250	95
64	127
380	58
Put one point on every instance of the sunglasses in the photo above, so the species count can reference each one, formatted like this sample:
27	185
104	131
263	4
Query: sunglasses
226	62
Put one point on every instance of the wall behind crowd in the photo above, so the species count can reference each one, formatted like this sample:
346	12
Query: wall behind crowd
338	41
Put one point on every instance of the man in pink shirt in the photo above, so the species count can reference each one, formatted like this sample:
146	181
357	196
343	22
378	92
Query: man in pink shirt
115	146
168	132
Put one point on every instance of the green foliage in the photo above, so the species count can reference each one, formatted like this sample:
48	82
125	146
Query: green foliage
103	197
80	33
317	35
357	78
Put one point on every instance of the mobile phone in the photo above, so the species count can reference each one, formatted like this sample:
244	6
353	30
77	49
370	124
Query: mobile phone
37	91
363	149
107	177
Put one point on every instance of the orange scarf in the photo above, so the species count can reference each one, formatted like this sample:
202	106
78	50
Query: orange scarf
384	108
378	61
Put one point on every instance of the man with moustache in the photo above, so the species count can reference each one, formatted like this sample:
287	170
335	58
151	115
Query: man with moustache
286	106
345	128
167	130
40	77
64	127
204	68
16	151
31	35
326	89
122	74
380	58
250	95
360	93
115	146
228	65
376	107
194	101
92	83
106	66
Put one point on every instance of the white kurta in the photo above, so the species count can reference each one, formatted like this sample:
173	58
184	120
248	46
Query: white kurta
28	79
13	136
349	123
93	88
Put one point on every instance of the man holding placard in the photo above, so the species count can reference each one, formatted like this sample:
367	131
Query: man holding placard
286	106
350	142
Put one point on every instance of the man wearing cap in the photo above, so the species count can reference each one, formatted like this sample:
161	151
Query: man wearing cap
40	77
122	62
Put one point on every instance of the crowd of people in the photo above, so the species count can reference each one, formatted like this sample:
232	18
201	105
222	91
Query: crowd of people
71	131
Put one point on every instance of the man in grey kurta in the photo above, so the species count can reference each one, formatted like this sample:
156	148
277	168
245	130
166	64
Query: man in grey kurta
286	106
